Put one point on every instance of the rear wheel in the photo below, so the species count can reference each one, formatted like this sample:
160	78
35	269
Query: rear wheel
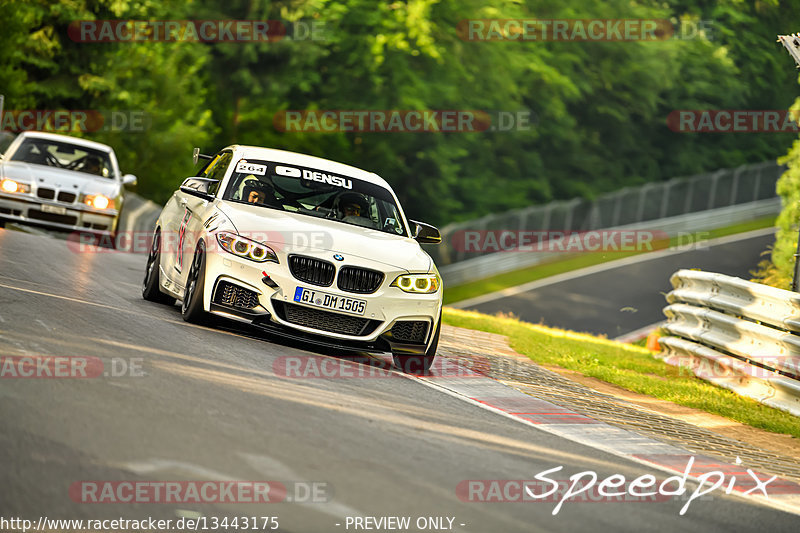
192	307
151	286
419	364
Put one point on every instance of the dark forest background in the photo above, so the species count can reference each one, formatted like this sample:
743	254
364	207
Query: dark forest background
599	108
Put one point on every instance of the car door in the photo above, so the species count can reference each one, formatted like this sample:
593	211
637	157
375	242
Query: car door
184	220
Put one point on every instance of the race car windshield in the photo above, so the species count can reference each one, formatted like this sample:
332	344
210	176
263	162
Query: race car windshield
315	193
64	155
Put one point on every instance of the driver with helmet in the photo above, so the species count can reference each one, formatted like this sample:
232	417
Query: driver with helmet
255	191
353	208
92	165
353	204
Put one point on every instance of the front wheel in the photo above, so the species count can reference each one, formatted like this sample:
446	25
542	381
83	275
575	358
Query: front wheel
419	364
192	307
151	289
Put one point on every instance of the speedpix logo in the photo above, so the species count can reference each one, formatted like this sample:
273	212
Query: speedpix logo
708	474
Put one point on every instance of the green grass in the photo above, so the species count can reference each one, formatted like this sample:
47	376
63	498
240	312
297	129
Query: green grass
574	262
628	366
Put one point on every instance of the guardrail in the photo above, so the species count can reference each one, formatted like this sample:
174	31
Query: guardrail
740	335
138	214
500	262
630	206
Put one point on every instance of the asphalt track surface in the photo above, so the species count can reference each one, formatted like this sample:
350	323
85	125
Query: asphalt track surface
620	300
208	406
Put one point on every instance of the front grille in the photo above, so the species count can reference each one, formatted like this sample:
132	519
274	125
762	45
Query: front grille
67	197
235	296
360	280
324	320
47	194
311	270
411	331
69	220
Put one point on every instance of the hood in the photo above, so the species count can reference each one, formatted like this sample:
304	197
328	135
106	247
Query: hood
292	232
60	179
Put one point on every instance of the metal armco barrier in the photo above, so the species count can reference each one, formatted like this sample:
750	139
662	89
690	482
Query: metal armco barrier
740	335
138	214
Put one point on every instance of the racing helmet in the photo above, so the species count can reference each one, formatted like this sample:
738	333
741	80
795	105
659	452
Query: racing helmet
255	185
347	201
92	164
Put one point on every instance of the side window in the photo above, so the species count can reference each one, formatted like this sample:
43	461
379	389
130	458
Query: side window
208	166
215	170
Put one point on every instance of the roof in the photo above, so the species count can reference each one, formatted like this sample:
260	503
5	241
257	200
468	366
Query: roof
310	161
67	139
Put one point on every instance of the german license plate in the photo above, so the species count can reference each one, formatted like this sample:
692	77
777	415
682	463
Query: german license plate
55	209
333	302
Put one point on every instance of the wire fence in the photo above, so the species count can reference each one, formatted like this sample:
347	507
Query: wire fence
631	205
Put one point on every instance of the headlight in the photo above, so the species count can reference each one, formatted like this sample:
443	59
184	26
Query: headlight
418	283
98	201
7	185
238	245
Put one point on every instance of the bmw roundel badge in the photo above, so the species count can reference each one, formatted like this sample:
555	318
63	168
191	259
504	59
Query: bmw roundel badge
338	257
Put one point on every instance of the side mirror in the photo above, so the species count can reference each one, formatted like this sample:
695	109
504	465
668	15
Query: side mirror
129	180
425	233
199	187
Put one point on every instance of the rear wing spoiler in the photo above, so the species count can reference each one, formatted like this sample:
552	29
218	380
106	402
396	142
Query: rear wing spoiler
792	44
196	155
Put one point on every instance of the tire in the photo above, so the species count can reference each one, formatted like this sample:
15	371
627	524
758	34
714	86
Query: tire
419	364
151	285
192	306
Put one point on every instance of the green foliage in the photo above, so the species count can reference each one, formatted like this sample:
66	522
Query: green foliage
779	271
600	107
44	69
630	367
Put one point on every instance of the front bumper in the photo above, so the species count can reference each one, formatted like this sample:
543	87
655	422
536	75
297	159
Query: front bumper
234	288
27	209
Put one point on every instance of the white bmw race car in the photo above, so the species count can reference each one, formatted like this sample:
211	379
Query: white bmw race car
61	182
303	247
